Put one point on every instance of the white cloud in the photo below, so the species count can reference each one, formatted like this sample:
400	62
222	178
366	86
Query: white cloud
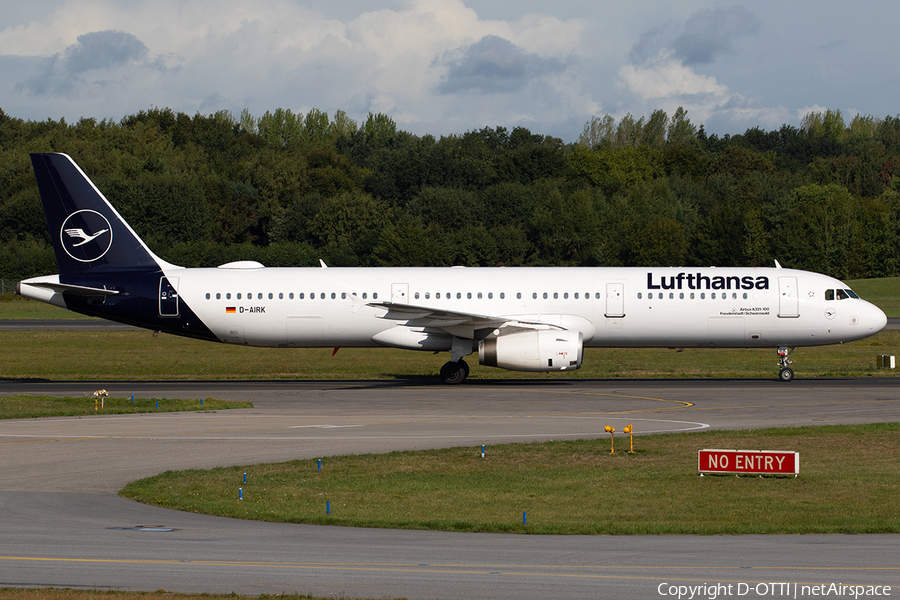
428	63
273	53
665	77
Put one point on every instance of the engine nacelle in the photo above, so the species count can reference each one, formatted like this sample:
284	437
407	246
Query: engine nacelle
541	350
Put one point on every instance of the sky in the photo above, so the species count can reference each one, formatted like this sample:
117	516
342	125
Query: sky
449	66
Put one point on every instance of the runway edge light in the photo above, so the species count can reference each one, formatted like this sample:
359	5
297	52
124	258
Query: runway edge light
629	429
611	431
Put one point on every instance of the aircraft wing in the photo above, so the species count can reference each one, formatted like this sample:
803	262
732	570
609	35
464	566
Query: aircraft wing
460	324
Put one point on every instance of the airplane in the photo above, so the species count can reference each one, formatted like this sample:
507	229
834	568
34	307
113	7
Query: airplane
536	319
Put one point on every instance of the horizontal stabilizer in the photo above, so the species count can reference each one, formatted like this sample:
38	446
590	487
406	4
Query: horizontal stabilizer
52	283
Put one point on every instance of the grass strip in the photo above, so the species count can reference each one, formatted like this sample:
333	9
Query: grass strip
19	307
141	355
23	407
70	594
847	484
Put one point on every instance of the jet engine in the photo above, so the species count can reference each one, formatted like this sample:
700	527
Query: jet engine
533	350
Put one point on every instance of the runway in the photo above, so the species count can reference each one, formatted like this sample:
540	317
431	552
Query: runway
63	525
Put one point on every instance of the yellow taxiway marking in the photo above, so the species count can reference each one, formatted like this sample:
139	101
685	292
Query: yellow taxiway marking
462	569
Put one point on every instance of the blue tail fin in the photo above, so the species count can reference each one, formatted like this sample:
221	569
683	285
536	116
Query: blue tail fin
87	232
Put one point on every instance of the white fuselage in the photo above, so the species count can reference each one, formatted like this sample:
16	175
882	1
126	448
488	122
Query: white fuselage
611	307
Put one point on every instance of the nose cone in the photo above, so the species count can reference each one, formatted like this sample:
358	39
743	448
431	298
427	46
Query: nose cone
877	320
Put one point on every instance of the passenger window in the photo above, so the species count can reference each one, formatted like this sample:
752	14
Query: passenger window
374	295
490	295
281	295
681	296
344	295
458	295
271	296
291	295
365	295
238	296
555	296
259	296
218	295
639	295
416	295
713	296
534	295
469	296
576	295
502	295
479	295
207	295
671	295
692	295
427	295
228	296
518	295
566	296
703	295
437	296
597	296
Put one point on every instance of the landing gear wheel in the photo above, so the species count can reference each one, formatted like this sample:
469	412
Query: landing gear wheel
454	373
785	373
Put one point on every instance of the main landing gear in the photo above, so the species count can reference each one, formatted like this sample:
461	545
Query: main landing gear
454	372
785	373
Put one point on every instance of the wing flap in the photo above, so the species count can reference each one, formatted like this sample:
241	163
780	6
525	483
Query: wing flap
456	323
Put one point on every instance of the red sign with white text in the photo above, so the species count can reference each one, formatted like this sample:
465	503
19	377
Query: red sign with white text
755	462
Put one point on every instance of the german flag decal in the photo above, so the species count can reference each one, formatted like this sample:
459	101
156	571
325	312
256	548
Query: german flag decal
230	309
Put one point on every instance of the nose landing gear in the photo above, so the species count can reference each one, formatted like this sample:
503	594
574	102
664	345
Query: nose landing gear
785	373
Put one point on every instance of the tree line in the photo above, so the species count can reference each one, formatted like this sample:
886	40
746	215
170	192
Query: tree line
288	189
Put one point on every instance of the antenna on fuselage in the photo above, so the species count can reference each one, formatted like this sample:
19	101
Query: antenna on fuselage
777	265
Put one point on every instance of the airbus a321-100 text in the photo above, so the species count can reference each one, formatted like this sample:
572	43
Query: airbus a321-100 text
523	318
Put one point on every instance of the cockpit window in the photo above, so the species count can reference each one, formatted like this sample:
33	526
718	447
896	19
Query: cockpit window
840	294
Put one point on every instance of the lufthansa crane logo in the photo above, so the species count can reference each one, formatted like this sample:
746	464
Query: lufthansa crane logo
86	235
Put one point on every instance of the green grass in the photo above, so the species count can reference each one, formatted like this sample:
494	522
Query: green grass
848	484
141	355
22	407
17	307
884	293
69	594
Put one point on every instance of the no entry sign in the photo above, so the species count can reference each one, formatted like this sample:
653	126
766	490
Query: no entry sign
749	462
